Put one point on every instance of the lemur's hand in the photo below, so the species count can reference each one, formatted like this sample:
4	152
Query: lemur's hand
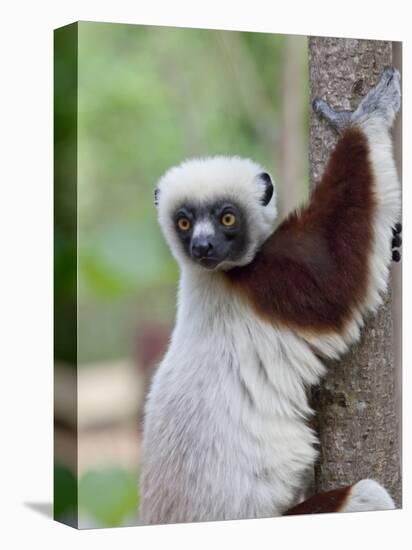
381	102
396	242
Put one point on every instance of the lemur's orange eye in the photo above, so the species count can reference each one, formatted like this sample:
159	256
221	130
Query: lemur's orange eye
183	224
228	220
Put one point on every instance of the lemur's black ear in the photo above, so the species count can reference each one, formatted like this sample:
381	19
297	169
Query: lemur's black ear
268	188
156	196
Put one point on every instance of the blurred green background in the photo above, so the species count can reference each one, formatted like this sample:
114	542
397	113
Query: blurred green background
149	97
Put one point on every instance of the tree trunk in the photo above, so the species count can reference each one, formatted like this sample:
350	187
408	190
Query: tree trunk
356	403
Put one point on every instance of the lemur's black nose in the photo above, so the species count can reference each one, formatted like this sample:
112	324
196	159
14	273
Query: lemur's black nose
201	247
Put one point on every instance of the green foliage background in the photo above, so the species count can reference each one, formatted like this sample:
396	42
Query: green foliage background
148	98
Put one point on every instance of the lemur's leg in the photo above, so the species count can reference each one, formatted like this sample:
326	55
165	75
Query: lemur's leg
382	102
363	496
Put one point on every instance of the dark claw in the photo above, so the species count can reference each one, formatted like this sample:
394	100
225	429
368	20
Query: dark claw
389	72
396	241
397	229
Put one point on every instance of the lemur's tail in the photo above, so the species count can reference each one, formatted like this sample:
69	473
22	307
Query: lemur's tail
365	495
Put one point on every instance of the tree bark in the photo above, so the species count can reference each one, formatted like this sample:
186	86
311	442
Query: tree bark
356	406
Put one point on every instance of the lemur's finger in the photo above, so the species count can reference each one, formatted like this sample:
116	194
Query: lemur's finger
397	229
319	105
396	242
387	75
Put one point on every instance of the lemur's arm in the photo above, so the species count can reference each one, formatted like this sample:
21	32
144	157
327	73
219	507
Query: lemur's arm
327	264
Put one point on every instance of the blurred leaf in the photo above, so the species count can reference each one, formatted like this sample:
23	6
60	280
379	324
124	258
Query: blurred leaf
64	263
110	495
125	258
100	277
148	98
65	492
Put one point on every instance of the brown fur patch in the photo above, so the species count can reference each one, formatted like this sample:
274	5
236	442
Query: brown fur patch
331	501
313	270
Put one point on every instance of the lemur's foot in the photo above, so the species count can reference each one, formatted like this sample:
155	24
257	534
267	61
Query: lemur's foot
365	495
396	242
338	119
381	102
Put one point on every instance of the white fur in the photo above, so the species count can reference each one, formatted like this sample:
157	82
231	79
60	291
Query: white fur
367	495
203	228
225	436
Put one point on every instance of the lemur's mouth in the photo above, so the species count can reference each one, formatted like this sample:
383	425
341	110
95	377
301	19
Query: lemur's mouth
209	263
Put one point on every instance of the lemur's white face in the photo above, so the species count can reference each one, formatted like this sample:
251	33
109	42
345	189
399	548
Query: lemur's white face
216	212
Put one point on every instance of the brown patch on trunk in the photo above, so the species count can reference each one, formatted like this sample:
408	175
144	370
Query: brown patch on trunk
331	501
312	272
